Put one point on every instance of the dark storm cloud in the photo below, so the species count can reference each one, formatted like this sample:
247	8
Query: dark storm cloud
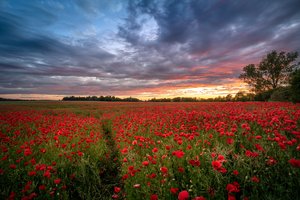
24	51
213	31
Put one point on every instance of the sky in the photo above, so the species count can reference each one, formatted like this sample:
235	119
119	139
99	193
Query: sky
140	48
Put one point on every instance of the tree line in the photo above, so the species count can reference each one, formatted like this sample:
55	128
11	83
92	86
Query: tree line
240	96
100	98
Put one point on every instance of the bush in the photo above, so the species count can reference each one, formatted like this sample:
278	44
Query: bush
263	96
281	94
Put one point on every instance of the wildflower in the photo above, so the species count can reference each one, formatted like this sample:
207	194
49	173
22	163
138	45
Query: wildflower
47	174
154	197
125	176
294	162
178	153
27	152
231	187
43	150
164	170
174	190
154	150
153	175
199	198
235	172
255	179
117	189
259	147
55	138
124	151
183	195
180	169
195	163
229	141
42	187
33	161
231	197
221	158
130	168
216	164
12	166
12	195
145	163
57	181
32	173
271	161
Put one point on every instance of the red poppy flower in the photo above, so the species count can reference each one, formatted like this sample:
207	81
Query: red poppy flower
195	163
12	166
117	189
174	190
216	164
235	172
229	141
294	162
255	179
181	169
154	150
124	151
145	163
178	153
231	197
232	188
42	187
164	170
43	150
153	175
154	197
32	173
47	174
27	152
199	198
57	181
183	195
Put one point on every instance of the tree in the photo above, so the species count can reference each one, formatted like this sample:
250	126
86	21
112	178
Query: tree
295	85
240	96
273	71
281	94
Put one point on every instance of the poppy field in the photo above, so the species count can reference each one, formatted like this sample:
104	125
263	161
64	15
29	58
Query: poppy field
101	150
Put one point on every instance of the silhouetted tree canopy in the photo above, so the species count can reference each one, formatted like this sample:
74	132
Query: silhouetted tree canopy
295	85
273	71
100	98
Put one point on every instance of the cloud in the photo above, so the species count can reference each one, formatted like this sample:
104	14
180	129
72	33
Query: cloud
122	47
217	34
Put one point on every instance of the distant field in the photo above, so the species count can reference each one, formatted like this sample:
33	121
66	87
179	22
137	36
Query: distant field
101	150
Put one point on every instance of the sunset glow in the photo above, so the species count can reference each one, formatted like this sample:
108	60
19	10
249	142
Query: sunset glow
144	49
